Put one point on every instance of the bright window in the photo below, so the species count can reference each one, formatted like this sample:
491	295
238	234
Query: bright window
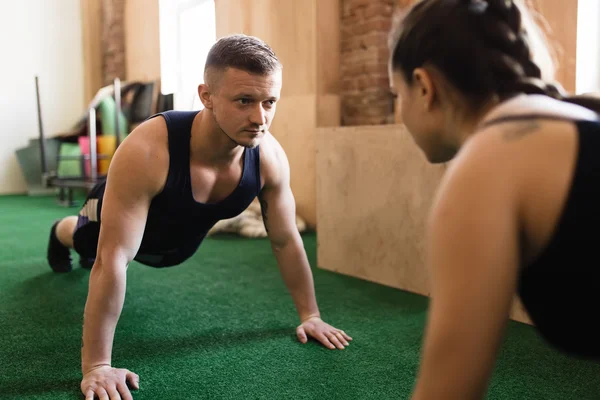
588	51
187	32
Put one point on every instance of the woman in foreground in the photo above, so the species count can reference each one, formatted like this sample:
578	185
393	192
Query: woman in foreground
517	211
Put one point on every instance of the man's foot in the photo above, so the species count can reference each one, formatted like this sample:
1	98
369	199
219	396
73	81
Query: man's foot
86	263
59	255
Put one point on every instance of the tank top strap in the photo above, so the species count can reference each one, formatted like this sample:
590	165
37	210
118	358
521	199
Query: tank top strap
252	168
179	128
521	117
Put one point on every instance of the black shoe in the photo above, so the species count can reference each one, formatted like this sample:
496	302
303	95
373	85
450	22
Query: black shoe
86	263
59	255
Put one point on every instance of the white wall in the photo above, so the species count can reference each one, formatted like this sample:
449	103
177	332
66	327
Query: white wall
42	37
588	51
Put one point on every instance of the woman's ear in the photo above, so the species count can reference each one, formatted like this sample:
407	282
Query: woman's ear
424	87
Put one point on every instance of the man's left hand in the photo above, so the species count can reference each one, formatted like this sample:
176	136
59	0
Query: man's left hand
323	332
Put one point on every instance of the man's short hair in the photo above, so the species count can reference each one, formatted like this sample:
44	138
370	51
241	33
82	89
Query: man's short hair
247	53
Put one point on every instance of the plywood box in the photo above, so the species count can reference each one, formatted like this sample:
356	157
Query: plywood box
374	192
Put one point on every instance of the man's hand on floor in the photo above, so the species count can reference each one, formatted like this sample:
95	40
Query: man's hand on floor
323	332
109	383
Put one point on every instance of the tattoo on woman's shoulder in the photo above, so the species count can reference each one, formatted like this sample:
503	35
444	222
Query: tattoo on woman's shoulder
520	129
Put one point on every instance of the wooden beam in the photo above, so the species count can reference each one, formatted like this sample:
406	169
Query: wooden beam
91	21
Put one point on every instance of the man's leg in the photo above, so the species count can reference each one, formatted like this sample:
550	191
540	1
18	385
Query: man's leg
60	243
65	230
79	233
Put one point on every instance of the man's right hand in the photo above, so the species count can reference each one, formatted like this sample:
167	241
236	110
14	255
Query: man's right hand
138	171
109	383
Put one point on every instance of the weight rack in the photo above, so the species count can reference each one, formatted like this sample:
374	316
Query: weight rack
66	185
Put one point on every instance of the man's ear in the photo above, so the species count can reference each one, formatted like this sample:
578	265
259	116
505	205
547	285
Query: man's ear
205	95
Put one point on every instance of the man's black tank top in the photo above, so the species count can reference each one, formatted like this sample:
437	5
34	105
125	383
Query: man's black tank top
560	289
177	224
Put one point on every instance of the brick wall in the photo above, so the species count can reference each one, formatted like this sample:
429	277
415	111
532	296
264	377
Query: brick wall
365	93
113	40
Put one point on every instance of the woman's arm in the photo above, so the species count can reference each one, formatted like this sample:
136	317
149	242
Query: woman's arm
473	258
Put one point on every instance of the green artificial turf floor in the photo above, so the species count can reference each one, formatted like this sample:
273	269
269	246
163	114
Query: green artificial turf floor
222	326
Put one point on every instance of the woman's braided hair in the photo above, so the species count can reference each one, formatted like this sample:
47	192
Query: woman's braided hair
481	46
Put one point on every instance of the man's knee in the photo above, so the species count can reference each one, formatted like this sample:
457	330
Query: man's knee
85	238
65	230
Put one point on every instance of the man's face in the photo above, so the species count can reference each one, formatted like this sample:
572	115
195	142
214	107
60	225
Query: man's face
244	104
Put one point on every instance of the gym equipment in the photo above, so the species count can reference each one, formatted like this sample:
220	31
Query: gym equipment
64	180
83	160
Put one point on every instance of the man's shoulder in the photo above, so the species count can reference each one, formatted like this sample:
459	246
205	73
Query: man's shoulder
144	154
150	137
270	147
273	159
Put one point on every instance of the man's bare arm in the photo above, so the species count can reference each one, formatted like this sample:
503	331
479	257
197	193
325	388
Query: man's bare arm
279	215
135	176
